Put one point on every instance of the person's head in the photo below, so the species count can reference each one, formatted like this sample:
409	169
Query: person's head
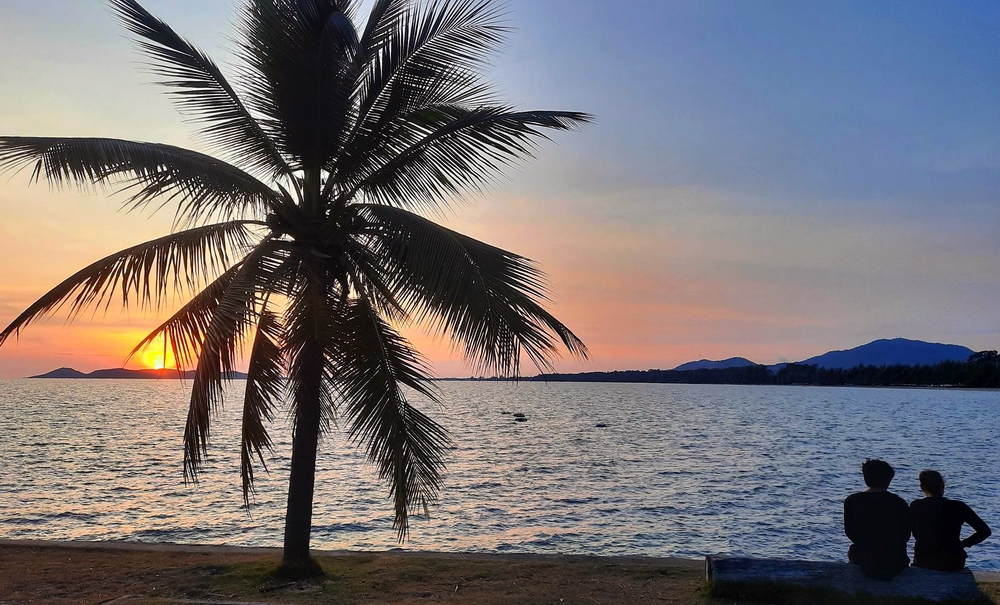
878	474
932	483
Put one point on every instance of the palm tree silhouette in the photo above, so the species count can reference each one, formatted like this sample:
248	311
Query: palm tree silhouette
309	239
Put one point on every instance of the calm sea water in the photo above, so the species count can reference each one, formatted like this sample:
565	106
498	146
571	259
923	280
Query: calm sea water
678	470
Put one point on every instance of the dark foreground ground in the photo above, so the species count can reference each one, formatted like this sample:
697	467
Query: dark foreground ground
132	574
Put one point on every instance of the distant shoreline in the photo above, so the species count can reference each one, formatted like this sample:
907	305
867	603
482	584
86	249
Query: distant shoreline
942	387
982	372
126	374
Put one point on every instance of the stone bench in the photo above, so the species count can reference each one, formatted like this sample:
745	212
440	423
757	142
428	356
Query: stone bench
914	582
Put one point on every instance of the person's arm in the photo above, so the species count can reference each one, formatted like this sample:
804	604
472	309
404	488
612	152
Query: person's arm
913	519
850	524
905	523
982	530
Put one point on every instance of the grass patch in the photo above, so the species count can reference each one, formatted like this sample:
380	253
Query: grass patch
348	579
260	581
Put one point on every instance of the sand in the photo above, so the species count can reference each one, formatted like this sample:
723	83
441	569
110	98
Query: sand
129	574
100	573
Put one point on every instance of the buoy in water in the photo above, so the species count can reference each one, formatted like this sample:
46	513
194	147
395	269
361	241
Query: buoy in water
601	425
518	415
520	419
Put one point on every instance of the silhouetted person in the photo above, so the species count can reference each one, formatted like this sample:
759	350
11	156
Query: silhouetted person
878	524
937	527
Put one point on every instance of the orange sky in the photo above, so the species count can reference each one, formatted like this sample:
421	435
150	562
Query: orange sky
640	296
815	181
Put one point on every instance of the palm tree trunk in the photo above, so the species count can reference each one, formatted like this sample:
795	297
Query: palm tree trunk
298	516
305	439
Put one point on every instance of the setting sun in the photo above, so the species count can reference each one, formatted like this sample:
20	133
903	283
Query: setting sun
156	358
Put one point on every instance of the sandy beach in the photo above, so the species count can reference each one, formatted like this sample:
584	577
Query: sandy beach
125	573
94	573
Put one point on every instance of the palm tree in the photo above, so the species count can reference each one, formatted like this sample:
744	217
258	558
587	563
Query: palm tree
309	237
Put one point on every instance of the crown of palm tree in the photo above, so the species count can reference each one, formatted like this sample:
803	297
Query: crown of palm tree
308	238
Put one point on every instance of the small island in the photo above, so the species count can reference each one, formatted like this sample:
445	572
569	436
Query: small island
124	373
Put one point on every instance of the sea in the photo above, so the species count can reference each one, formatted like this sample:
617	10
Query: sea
597	468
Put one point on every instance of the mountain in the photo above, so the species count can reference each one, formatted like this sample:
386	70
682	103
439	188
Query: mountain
122	373
63	373
894	351
705	364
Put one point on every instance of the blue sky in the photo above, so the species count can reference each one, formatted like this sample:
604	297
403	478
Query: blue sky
766	179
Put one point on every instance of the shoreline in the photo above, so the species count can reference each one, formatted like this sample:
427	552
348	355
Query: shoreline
174	547
538	379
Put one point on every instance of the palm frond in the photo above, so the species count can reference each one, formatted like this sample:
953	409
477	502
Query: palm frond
184	332
233	316
200	88
264	389
401	121
416	44
382	20
485	298
201	185
299	58
146	271
407	54
407	447
442	150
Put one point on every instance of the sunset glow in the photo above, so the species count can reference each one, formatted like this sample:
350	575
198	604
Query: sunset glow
155	357
763	182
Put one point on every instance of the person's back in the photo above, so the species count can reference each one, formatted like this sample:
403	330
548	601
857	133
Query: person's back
937	527
878	524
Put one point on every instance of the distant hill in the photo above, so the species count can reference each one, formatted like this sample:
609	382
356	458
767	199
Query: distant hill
705	364
896	351
897	361
62	373
122	373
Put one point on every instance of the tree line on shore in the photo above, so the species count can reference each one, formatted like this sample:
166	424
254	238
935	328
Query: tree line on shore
981	370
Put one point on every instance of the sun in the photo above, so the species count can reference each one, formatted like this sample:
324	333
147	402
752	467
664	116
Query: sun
156	356
156	359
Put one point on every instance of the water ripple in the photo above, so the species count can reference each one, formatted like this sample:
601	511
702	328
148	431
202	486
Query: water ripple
673	470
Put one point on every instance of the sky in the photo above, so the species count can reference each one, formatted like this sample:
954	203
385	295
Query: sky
764	179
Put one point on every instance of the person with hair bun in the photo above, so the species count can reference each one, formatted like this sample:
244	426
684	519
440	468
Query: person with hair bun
878	524
937	527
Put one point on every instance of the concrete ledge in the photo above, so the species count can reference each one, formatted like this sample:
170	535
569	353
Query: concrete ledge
914	582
